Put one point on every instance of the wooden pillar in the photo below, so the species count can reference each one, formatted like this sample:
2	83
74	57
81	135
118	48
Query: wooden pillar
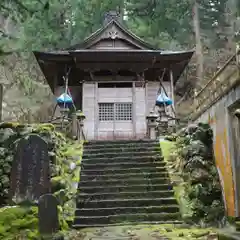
96	117
172	87
74	127
134	106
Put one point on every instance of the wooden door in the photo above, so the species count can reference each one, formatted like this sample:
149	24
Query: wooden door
115	121
115	112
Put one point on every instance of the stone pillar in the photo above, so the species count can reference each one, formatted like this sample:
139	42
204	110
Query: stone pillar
151	125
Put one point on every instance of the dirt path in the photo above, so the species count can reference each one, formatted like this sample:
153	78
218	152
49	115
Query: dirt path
147	232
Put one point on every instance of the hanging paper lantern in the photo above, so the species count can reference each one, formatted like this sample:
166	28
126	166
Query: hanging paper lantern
65	99
163	100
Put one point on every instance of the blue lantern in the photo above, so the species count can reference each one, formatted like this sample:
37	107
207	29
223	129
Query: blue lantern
163	100
65	100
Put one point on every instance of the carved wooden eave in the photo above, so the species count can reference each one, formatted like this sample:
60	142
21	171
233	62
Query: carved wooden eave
150	62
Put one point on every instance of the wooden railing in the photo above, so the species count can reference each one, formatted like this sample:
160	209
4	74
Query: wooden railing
222	82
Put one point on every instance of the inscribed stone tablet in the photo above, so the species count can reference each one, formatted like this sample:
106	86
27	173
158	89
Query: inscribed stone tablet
30	175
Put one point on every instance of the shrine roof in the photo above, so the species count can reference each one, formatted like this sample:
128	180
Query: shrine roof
112	47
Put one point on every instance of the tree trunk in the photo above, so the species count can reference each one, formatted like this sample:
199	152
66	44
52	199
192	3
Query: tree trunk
199	52
231	29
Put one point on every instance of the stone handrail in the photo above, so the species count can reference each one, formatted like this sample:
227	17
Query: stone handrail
224	80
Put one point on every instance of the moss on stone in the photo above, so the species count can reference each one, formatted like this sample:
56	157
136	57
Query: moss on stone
192	167
19	223
65	155
9	125
166	147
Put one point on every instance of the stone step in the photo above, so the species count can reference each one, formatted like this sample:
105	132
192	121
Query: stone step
120	145
143	202
111	142
126	153
119	158
132	188
122	149
124	195
172	222
115	171
121	165
88	177
152	217
125	159
126	210
125	182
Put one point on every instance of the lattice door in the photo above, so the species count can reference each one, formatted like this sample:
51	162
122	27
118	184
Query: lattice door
115	119
115	111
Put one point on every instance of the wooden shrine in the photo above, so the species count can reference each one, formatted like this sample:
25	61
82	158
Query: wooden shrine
114	78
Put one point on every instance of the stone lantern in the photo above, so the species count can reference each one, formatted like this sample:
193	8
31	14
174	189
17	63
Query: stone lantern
151	125
80	118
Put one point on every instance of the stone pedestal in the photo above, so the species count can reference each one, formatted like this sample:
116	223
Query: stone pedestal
151	125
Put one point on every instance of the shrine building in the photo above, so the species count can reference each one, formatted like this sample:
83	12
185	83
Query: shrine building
114	77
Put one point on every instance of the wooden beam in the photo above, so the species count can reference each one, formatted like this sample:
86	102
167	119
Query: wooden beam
172	87
135	67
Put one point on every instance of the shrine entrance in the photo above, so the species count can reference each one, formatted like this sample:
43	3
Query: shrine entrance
115	111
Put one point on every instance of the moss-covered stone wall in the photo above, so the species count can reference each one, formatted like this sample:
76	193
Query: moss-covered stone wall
198	188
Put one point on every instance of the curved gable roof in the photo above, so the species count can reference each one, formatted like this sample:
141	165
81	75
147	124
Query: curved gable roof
127	36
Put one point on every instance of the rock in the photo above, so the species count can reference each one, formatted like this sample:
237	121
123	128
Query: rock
23	131
199	175
72	165
6	134
57	183
212	236
48	215
75	185
62	197
195	163
192	128
181	235
131	233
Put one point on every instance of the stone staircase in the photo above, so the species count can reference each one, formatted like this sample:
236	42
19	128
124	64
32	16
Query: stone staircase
124	182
